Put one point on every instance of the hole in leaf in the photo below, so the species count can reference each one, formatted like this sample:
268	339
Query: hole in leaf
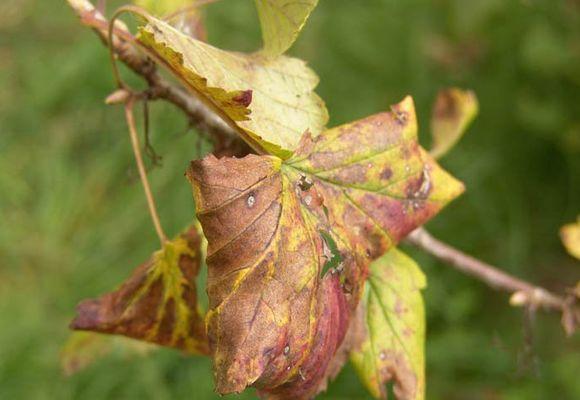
330	252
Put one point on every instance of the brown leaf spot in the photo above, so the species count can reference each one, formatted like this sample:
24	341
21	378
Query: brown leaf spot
244	98
386	173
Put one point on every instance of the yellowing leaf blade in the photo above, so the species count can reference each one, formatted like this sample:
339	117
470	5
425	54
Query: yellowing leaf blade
158	303
570	235
282	21
271	103
391	329
272	227
453	112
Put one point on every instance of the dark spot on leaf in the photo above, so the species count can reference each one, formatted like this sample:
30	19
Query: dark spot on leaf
386	173
244	98
305	183
401	117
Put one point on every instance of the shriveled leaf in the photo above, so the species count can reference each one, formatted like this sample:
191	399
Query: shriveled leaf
570	235
270	103
84	348
184	15
390	328
453	112
282	21
272	226
158	303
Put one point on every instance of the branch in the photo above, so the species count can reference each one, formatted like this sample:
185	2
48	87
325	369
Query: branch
228	143
200	116
523	293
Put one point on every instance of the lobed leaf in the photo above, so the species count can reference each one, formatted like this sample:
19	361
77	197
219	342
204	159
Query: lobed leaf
276	318
158	303
453	112
390	328
570	235
270	102
282	21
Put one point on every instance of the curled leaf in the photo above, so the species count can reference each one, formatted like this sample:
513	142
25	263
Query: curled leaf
282	21
272	226
570	235
84	348
453	112
270	102
390	328
158	303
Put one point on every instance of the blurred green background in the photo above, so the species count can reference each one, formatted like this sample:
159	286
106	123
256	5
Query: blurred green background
73	221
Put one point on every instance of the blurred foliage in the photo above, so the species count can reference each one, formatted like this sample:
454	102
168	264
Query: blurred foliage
73	220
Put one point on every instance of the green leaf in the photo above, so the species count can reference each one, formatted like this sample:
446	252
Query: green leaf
84	348
158	303
453	112
275	318
570	235
282	21
390	328
271	103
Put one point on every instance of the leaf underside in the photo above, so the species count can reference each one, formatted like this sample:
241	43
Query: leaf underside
390	328
158	303
270	102
366	185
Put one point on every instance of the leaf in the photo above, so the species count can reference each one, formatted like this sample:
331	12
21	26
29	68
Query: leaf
365	185
84	348
270	102
453	112
184	15
158	303
391	328
570	235
282	21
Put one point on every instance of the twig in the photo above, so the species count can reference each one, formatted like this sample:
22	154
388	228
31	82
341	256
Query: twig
226	140
524	293
142	173
228	143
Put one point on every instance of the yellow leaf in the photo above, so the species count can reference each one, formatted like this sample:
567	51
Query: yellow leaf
271	103
282	21
570	235
453	112
389	330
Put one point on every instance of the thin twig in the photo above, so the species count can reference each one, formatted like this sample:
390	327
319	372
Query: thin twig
524	293
142	173
227	141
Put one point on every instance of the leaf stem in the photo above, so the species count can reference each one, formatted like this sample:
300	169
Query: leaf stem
142	173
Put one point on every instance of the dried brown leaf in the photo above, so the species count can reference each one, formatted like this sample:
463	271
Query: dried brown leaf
158	303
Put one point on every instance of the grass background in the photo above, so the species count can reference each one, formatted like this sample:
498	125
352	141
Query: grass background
73	221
